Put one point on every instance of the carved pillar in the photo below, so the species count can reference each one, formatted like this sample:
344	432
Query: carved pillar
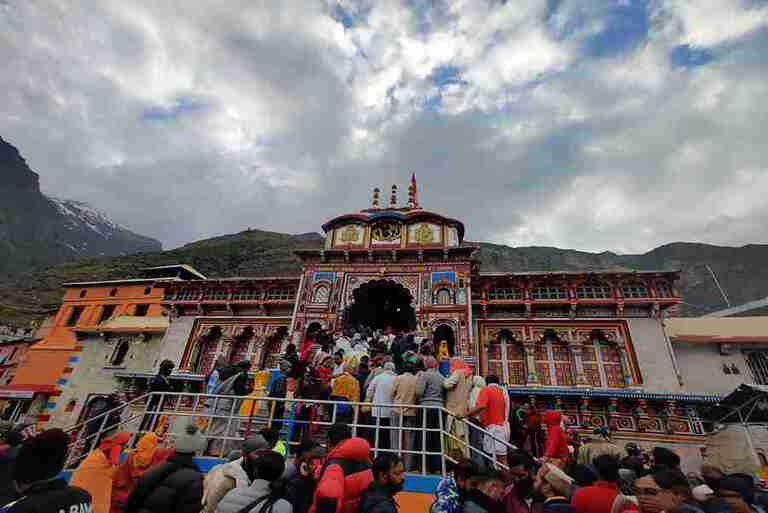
626	369
530	362
577	349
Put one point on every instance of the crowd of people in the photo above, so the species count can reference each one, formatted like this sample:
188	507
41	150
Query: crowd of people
518	460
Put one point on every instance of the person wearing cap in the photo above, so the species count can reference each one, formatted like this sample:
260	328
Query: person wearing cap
235	474
555	486
176	485
40	460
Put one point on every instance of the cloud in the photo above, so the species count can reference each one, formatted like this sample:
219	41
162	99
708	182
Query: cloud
599	126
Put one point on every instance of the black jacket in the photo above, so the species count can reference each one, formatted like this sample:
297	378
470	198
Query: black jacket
377	499
8	491
52	497
557	505
299	491
175	486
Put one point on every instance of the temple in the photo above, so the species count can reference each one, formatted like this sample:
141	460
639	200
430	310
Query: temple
593	344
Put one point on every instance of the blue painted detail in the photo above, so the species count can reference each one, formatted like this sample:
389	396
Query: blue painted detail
74	359
450	277
324	276
625	394
62	381
50	406
686	56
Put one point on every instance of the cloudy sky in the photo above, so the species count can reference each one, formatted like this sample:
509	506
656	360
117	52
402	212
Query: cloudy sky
597	125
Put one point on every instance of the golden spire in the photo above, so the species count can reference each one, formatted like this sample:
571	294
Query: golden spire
375	202
393	198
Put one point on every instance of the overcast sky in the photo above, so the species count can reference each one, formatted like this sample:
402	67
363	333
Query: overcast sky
597	125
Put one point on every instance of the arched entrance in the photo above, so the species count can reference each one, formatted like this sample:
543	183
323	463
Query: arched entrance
445	332
380	304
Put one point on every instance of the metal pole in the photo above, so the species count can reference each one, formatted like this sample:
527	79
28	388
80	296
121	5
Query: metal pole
442	442
750	442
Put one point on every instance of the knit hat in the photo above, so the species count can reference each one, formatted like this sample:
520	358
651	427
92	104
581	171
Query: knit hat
41	457
190	441
255	443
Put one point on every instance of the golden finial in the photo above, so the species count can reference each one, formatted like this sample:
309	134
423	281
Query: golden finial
393	198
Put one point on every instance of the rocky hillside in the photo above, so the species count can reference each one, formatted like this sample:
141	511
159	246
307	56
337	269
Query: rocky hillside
742	271
37	231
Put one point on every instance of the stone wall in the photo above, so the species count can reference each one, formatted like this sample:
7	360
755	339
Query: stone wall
93	374
653	357
175	340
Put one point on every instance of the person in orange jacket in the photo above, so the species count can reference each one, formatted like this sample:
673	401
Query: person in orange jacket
556	450
96	472
146	456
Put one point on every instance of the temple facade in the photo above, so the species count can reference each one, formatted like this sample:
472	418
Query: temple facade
591	344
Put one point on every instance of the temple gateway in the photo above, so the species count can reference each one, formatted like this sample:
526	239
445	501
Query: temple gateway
592	344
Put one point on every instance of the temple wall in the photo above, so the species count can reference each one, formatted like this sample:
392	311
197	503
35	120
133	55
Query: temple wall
702	368
93	374
175	340
653	357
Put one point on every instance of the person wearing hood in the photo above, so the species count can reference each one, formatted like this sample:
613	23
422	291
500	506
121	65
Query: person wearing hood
458	385
451	491
259	495
475	435
556	451
96	472
235	474
345	474
493	406
176	485
38	466
388	481
146	455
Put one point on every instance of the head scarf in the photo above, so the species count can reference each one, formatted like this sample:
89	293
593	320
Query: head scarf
458	364
113	446
145	450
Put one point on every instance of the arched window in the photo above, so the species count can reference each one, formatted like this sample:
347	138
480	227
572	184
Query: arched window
554	362
506	359
634	290
602	362
120	352
594	291
443	297
321	294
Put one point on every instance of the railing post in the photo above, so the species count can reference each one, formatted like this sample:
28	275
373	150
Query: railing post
423	441
442	440
355	419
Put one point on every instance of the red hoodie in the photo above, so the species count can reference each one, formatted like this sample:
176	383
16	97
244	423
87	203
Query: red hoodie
346	475
557	441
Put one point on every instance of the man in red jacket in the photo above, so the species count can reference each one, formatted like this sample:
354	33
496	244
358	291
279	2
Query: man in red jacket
556	451
345	475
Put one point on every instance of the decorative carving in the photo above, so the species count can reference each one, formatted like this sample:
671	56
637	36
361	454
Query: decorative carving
424	234
350	235
386	232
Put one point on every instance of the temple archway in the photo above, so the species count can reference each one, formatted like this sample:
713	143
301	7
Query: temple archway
445	332
380	304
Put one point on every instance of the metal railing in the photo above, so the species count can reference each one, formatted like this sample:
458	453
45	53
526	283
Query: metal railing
422	438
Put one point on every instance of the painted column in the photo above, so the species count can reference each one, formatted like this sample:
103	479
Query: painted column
577	349
530	358
626	370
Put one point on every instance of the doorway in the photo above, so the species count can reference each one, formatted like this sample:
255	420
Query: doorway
445	332
381	304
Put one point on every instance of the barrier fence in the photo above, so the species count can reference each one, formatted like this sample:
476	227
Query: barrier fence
428	437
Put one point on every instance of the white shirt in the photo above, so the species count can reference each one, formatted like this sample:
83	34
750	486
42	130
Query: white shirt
380	391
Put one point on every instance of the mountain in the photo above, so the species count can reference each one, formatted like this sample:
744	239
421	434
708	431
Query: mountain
741	271
38	231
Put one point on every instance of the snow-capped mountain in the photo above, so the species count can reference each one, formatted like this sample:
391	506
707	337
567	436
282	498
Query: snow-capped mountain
37	231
